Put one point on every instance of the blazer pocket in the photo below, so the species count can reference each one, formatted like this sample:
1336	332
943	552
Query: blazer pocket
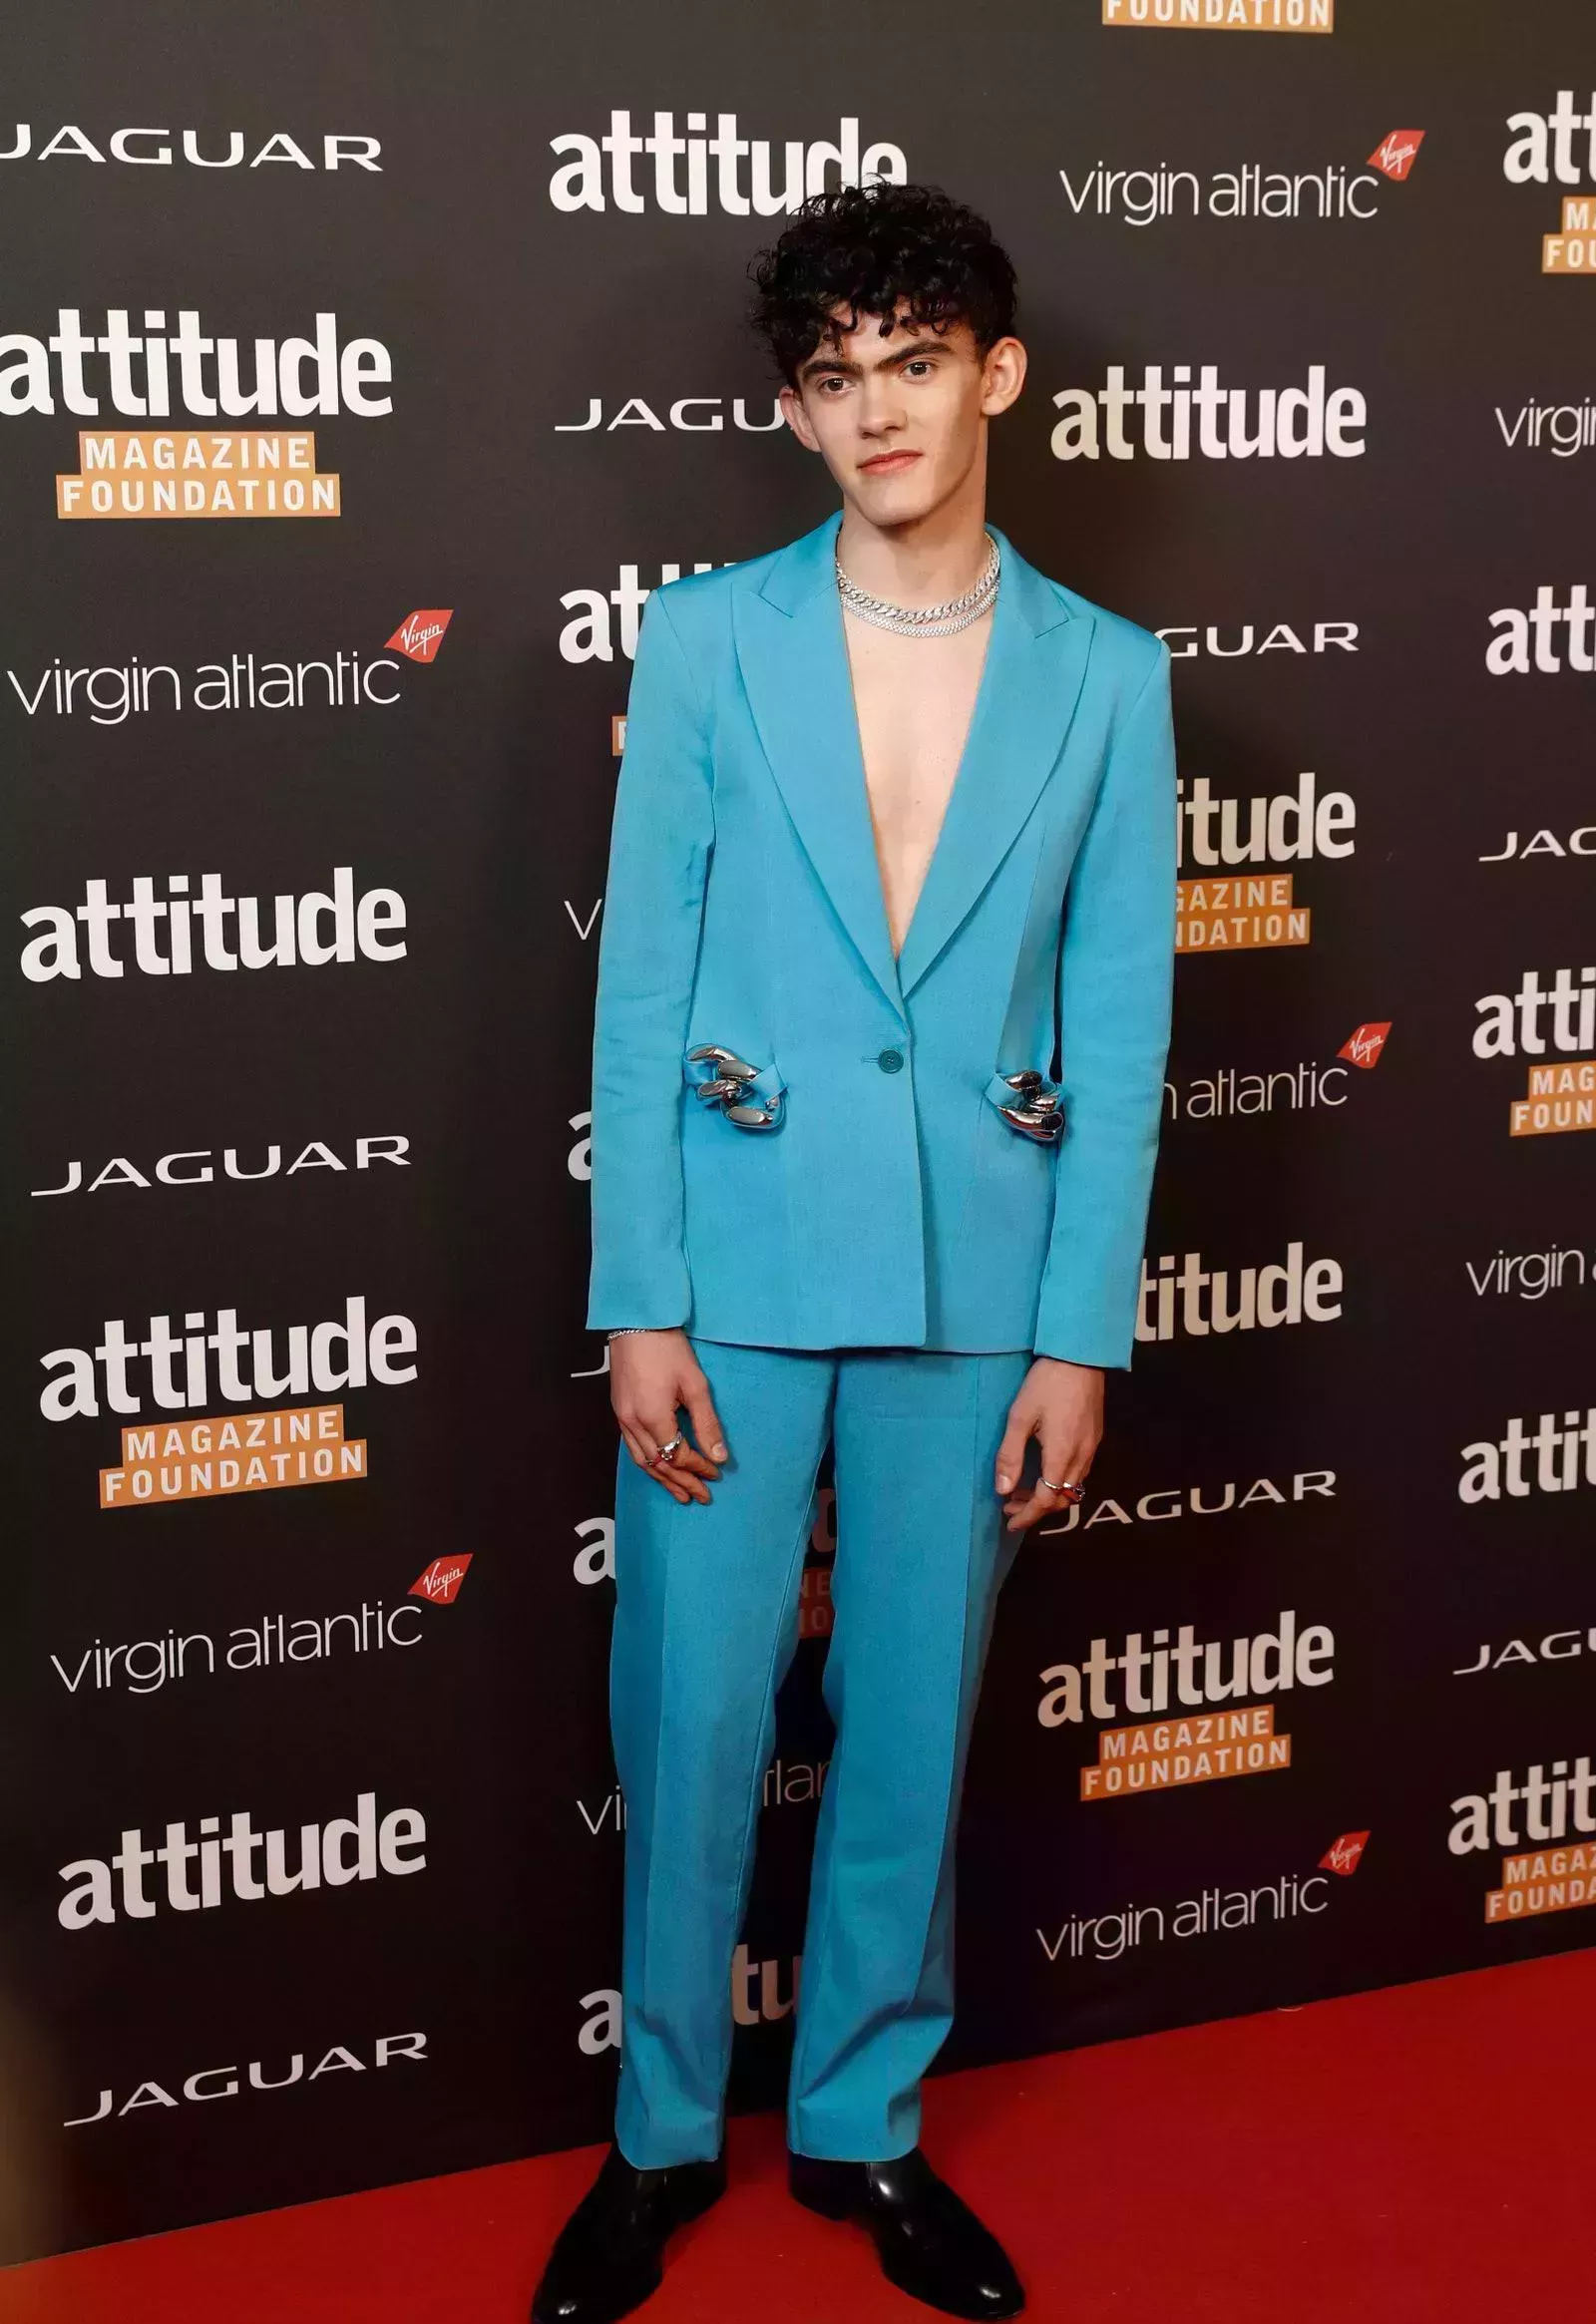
1029	1103
750	1095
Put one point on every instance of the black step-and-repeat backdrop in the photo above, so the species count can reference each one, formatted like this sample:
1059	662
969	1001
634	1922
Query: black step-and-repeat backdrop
361	371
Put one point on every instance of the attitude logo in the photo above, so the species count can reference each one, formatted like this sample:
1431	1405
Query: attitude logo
608	619
1222	15
1193	1746
602	171
1545	640
1546	148
756	1999
1545	1824
1556	1023
244	1863
309	931
1196	1301
1565	1458
1222	909
1208	422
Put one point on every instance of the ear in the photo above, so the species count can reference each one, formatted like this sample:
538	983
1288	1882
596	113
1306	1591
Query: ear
1005	376
797	418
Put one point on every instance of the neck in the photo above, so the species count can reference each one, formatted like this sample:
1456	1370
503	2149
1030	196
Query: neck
922	563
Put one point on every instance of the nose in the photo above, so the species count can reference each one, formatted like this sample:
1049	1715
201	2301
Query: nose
878	406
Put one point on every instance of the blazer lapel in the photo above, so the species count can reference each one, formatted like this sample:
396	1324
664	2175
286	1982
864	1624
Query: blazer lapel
793	657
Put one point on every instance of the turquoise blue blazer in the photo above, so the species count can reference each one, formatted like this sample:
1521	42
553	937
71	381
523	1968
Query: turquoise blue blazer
849	1164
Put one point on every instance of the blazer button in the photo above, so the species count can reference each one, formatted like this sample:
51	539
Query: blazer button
891	1060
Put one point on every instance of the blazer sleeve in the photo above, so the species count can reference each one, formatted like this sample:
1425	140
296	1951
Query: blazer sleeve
661	844
1115	999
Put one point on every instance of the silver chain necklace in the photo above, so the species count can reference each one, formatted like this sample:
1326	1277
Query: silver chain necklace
924	620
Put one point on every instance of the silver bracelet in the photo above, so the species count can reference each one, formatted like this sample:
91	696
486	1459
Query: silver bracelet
625	1327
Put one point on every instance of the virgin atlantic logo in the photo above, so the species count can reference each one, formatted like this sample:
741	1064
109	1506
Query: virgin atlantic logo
1344	1855
1394	155
440	1584
1364	1045
419	634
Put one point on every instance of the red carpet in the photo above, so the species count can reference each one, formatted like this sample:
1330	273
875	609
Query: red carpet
1418	2155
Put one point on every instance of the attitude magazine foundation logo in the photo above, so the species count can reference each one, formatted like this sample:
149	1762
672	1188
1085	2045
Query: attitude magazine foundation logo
1223	906
175	1460
153	373
1222	15
1544	1824
1183	1741
1545	150
1554	1025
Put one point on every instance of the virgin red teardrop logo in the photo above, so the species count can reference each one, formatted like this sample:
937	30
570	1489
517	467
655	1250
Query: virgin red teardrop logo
440	1584
419	634
1396	151
1363	1046
1344	1855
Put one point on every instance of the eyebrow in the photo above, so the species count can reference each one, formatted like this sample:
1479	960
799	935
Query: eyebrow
922	345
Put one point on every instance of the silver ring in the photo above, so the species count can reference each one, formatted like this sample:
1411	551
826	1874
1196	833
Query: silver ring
1076	1492
665	1450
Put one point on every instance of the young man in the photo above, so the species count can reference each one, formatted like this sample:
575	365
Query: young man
895	828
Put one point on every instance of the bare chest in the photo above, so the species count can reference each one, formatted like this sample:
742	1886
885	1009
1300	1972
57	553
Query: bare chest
913	698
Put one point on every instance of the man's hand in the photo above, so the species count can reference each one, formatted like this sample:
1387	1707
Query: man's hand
1062	1404
652	1374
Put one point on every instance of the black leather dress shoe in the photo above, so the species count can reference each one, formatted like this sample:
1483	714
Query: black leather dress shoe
929	2242
608	2255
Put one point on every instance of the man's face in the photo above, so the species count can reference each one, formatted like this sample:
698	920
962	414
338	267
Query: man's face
900	421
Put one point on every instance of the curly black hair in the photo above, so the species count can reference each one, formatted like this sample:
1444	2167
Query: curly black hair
870	247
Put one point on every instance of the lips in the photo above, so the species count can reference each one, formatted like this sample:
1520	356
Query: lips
889	462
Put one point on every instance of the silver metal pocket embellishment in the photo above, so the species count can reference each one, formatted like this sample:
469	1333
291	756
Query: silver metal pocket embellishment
1036	1111
728	1087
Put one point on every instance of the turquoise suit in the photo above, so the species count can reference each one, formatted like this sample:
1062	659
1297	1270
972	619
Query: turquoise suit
868	1225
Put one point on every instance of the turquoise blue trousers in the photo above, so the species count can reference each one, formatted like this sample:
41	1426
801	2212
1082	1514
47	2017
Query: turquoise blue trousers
705	1628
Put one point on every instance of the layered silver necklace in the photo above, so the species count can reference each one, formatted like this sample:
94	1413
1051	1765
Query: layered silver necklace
924	620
